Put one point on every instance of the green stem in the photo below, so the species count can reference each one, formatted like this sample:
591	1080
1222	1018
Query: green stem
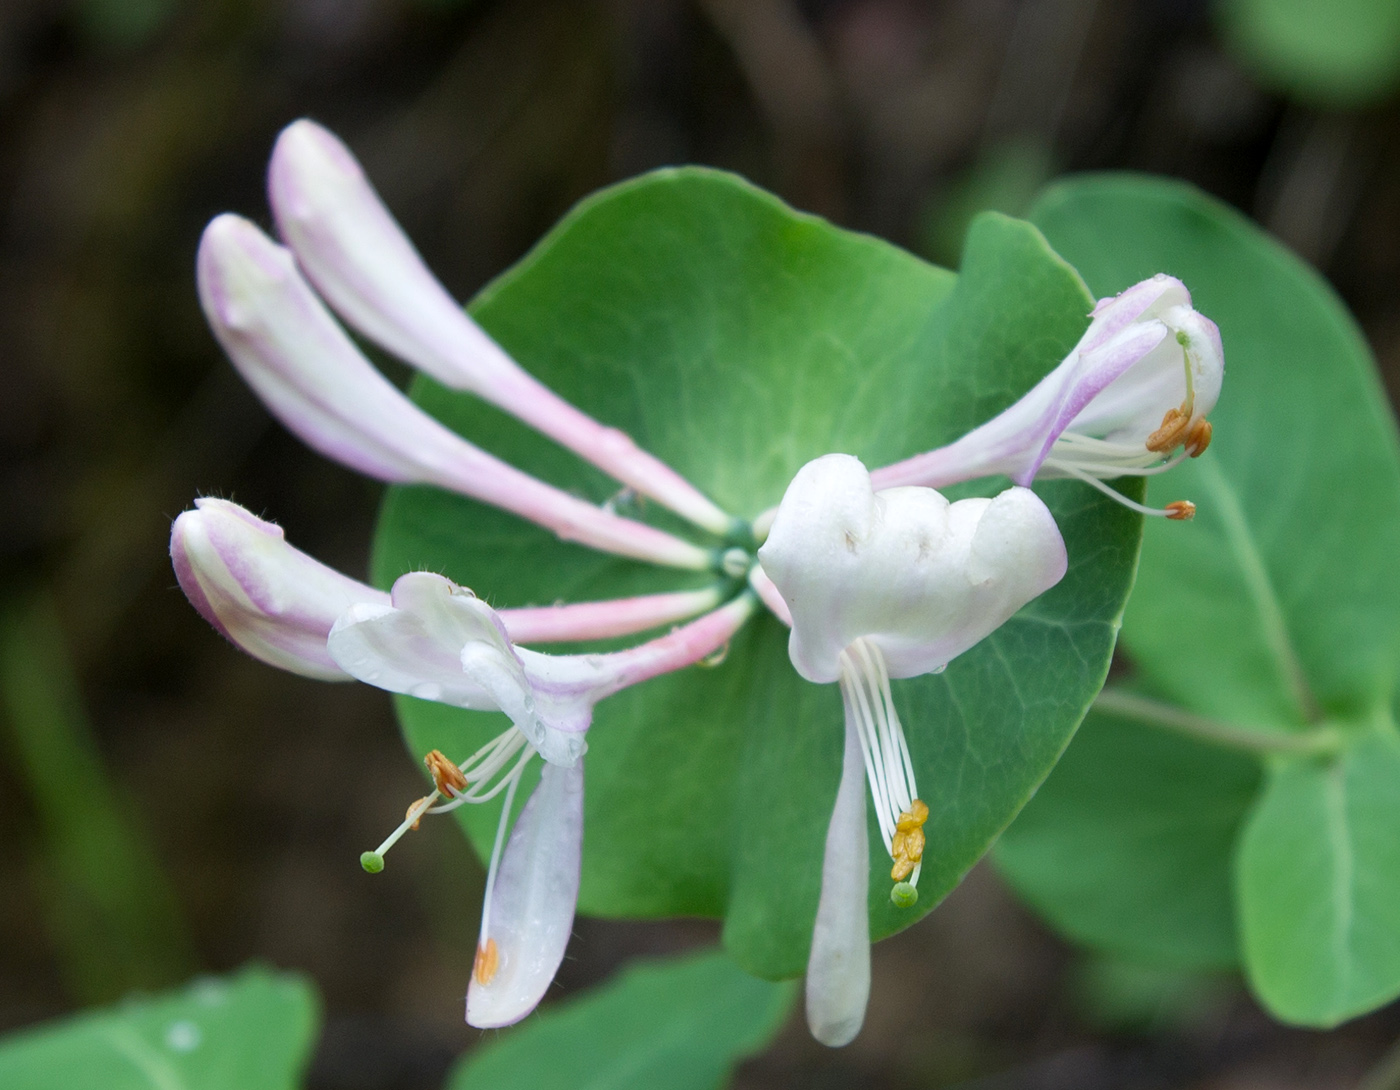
1157	714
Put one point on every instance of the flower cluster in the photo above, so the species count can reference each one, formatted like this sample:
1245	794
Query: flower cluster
877	574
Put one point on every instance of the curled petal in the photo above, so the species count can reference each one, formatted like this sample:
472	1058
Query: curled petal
1146	354
313	378
361	261
530	914
921	578
272	600
838	968
437	641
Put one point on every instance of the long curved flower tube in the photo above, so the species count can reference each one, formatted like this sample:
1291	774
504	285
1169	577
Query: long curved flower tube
363	264
279	605
1136	389
881	586
313	378
439	642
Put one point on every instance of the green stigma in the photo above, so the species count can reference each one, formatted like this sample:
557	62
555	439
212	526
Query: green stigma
373	862
904	895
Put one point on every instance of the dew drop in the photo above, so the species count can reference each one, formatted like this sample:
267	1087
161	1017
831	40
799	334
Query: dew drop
183	1037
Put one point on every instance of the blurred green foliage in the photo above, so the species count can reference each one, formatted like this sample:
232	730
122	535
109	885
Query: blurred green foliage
681	1024
110	910
1334	53
250	1031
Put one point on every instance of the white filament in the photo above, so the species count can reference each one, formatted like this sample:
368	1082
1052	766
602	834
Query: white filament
865	684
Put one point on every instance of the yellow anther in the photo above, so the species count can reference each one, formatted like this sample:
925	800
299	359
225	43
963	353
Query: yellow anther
446	776
907	844
1181	510
1198	438
487	960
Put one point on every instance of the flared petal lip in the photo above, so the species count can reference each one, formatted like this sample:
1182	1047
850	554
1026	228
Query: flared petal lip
532	905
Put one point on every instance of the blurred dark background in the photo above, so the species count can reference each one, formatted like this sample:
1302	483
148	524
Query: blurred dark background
170	806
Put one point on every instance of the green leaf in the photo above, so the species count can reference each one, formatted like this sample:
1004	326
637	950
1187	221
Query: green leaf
738	339
254	1029
1127	846
1329	52
682	1024
1279	598
1277	608
1319	884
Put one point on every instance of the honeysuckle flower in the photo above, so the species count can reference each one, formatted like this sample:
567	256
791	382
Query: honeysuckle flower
363	264
279	605
437	641
316	381
880	586
1130	399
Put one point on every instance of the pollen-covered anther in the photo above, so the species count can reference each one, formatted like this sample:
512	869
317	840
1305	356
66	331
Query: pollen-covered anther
416	804
447	777
907	844
1198	438
1181	510
1175	426
488	959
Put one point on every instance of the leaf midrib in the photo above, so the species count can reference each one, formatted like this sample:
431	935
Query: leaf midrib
144	1058
1259	584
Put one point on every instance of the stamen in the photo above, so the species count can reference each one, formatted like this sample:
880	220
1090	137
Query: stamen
907	848
415	812
446	775
1169	436
1198	439
1178	509
889	770
452	781
487	960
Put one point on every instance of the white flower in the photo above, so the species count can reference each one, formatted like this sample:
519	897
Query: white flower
1131	398
437	641
878	586
364	265
316	381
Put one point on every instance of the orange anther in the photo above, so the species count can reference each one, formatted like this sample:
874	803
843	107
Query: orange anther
487	960
409	812
1198	439
1181	510
1173	430
446	775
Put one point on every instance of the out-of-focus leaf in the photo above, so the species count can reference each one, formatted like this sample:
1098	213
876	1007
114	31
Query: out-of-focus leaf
110	909
682	1024
1330	52
1127	846
738	339
1319	884
251	1031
